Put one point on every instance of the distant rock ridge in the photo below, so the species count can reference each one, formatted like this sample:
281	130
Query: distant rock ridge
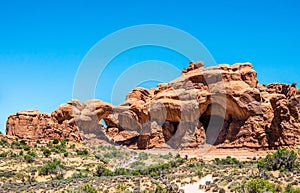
222	106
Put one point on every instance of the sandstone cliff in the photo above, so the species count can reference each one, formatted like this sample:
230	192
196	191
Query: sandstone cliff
223	106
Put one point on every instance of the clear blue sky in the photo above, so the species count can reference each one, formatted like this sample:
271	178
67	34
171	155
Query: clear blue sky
43	42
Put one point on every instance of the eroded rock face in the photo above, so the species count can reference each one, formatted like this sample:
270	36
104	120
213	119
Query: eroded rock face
71	120
32	125
222	105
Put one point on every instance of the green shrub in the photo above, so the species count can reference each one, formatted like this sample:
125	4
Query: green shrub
58	148
121	172
115	153
25	147
72	146
31	153
200	174
194	165
154	173
88	188
283	159
16	144
135	173
78	175
82	152
3	142
51	167
121	186
102	170
66	154
259	185
167	156
55	141
22	142
64	141
28	158
46	152
4	154
227	161
137	165
143	156
291	189
6	174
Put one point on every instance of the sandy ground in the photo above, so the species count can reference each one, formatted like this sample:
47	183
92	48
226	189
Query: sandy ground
194	187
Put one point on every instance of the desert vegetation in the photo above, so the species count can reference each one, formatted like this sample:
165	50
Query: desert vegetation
65	166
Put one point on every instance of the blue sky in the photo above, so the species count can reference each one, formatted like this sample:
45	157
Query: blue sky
43	42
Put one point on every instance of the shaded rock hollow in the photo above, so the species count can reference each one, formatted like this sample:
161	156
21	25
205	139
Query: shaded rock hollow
223	106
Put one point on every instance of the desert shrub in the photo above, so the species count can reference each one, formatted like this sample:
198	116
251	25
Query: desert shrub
7	174
291	189
3	142
115	153
66	154
16	144
58	148
101	158
51	167
72	146
121	186
155	170
46	152
283	159
167	156
227	161
137	165
28	158
259	185
143	156
154	173
88	188
55	141
82	152
195	165
64	141
78	175
159	189
25	147
200	174
13	155
102	170
4	154
135	173
121	172
22	142
31	153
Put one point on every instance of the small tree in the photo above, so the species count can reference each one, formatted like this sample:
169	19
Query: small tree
282	159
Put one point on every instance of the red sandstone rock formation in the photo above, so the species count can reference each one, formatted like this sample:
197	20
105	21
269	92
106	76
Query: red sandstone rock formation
222	105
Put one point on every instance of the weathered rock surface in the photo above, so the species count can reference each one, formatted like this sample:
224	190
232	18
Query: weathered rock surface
222	105
67	121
